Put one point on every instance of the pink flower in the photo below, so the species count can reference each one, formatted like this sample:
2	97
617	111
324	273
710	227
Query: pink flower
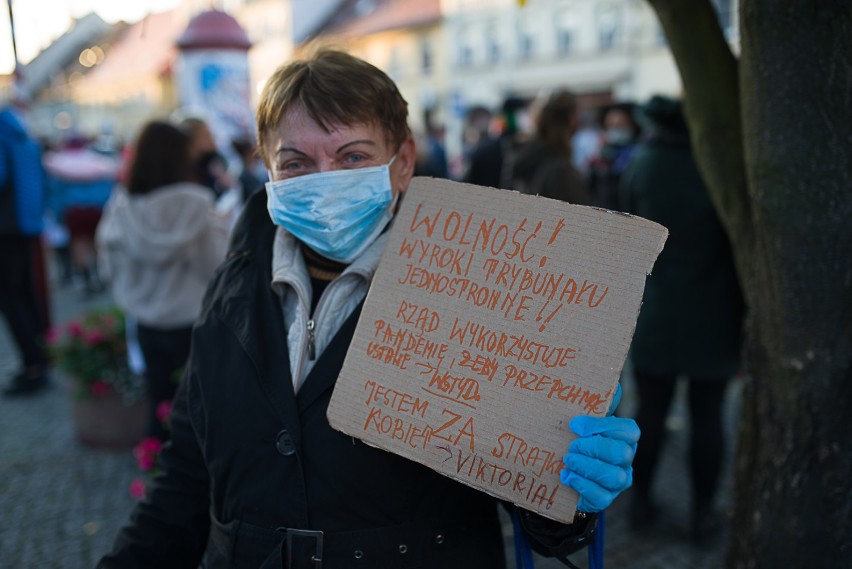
151	444
52	335
164	411
99	387
75	328
94	337
146	453
137	488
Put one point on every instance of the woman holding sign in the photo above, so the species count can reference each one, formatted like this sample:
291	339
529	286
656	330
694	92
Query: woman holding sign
254	476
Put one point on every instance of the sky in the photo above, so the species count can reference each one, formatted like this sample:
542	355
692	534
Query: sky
38	22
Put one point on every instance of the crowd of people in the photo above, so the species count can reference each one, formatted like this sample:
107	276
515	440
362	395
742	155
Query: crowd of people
244	294
583	151
638	159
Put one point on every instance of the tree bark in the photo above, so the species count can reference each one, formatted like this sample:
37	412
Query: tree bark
792	504
709	74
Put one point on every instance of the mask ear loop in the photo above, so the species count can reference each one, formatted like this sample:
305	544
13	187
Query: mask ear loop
394	205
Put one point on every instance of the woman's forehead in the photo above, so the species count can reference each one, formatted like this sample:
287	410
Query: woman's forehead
298	127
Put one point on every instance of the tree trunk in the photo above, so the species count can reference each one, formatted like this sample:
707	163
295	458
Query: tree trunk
792	504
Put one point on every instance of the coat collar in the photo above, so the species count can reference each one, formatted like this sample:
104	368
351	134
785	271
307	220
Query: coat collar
247	306
324	375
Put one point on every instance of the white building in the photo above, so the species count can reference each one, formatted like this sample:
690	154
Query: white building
480	51
603	50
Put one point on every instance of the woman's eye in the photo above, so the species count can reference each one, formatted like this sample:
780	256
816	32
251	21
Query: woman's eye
292	168
354	158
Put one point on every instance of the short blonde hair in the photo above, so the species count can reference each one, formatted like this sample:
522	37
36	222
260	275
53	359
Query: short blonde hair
334	87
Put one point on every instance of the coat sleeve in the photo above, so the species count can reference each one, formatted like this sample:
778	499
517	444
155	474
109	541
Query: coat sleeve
169	529
555	539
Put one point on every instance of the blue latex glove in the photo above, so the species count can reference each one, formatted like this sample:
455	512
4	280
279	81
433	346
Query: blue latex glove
616	400
598	463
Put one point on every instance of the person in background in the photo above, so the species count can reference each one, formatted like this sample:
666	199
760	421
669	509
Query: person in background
254	475
477	122
80	182
544	165
691	317
586	143
159	241
253	173
621	132
22	207
209	167
492	161
431	156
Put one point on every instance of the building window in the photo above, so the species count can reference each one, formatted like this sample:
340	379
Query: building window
426	57
564	40
465	49
526	40
565	26
492	43
608	25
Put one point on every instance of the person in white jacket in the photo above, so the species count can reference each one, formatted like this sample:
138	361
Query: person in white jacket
159	242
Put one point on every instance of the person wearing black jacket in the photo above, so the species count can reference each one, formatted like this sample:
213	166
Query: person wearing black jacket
254	476
691	320
543	166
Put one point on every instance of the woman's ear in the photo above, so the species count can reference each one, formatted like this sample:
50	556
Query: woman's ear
402	169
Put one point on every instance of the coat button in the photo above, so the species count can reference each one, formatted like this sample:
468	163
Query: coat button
284	443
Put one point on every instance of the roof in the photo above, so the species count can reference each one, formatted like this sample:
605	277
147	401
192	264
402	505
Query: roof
309	16
146	48
213	29
388	15
64	50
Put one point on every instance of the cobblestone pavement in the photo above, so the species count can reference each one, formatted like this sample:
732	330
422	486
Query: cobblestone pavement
61	503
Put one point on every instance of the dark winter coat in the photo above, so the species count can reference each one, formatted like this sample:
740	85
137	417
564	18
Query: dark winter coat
249	459
538	170
691	316
491	163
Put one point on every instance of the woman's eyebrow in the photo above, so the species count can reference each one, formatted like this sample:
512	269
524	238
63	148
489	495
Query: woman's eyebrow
289	149
364	141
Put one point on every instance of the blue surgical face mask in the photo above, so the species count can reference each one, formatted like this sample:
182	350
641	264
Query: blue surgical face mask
618	136
339	213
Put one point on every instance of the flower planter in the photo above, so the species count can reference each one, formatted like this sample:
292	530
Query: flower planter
105	421
109	407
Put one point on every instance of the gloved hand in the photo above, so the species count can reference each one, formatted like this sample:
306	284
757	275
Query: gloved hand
598	463
616	400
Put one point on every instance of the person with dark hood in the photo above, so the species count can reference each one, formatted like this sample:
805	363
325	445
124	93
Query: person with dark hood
691	316
492	161
209	167
544	165
252	177
621	132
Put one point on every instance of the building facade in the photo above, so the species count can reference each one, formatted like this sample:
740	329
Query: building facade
446	55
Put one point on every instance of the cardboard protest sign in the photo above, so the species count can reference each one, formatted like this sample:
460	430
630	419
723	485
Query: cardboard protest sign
492	320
